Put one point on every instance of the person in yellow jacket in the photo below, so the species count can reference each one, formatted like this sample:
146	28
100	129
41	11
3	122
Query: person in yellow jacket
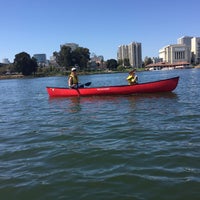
132	78
73	79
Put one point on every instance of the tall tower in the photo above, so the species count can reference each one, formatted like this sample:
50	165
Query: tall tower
133	52
122	52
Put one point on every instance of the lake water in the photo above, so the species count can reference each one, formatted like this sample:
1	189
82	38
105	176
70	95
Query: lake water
100	148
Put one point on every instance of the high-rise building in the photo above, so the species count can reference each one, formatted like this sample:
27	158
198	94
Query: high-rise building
133	52
122	52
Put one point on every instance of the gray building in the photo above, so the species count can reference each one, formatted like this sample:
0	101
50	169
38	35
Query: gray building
122	52
133	52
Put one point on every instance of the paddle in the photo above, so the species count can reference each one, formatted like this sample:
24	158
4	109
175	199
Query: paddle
85	84
88	83
82	86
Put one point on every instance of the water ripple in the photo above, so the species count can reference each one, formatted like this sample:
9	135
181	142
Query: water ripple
126	147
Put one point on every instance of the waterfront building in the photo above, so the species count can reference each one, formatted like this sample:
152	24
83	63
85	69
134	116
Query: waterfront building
167	66
194	45
195	49
175	53
133	52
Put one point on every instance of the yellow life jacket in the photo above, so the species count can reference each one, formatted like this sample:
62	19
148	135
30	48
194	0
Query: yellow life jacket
132	79
74	79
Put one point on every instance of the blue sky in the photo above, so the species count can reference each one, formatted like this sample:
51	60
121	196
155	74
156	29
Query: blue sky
40	26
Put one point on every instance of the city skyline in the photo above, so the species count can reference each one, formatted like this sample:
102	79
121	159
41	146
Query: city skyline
41	26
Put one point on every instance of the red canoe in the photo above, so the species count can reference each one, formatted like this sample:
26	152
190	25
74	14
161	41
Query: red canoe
166	85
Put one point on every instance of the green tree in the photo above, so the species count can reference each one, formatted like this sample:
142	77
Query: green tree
67	58
63	57
80	57
121	68
24	64
111	64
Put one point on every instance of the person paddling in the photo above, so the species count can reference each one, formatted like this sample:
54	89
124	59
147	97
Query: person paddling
132	78
73	79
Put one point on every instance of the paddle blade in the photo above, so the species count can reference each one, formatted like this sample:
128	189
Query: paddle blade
88	84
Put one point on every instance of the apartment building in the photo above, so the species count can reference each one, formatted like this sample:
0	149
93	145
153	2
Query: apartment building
133	52
122	52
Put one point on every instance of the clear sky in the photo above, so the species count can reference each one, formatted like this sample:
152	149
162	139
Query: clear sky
40	26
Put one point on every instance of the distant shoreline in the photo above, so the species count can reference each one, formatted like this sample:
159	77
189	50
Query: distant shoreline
18	76
11	76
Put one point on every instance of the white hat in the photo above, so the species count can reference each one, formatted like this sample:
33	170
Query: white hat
73	69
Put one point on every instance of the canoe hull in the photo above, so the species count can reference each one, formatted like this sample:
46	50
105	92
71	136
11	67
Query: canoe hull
166	85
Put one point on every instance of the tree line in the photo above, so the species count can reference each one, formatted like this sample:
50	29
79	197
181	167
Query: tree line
65	58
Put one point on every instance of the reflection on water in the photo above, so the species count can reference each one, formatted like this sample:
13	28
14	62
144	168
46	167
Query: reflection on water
115	97
71	104
74	104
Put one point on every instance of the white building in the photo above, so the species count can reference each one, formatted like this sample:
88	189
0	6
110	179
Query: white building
133	52
175	53
195	49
